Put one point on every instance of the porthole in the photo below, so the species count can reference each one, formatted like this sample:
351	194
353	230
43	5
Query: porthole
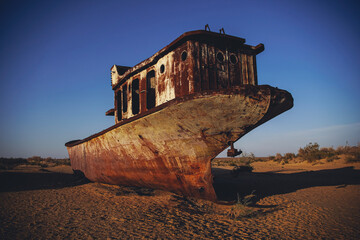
162	68
183	55
220	57
233	59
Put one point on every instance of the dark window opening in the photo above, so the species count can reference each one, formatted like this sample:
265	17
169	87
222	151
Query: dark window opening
183	55
162	68
220	57
233	59
118	105
135	96
150	89
125	101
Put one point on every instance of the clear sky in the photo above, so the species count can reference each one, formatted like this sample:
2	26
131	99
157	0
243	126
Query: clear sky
55	59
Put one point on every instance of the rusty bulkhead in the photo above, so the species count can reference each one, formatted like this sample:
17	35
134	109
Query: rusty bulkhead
176	111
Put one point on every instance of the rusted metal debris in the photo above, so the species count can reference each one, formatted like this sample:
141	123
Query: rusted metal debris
176	111
233	152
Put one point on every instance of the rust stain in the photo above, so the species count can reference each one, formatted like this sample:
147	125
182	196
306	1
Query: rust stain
205	97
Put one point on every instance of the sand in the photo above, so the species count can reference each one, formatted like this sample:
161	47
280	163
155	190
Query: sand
293	201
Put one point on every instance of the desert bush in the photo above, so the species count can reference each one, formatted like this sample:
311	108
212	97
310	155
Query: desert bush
284	161
310	152
241	207
332	158
61	161
327	152
278	157
244	159
259	159
289	156
227	162
248	157
10	163
343	149
351	159
353	154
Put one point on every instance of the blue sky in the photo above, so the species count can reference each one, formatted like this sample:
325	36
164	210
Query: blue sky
55	58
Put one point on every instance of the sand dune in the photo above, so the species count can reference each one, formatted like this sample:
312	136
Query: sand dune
294	201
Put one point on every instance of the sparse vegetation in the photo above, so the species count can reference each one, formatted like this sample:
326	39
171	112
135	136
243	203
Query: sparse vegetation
240	164
245	159
10	163
241	207
311	153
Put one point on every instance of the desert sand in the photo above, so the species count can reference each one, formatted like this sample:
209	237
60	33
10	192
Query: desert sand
293	201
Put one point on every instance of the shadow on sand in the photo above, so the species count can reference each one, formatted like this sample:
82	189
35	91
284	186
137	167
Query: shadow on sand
272	183
24	181
226	185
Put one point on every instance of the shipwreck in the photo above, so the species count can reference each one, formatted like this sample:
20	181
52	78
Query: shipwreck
176	111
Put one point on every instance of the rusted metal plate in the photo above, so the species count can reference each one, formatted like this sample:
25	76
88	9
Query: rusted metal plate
194	62
172	148
177	110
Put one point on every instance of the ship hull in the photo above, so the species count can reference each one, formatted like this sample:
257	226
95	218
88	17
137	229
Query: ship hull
171	148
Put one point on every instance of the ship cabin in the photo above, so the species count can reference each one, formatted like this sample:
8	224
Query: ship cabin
197	61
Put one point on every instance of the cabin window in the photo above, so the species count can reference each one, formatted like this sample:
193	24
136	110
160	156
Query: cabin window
183	55
135	96
220	57
118	105
150	89
124	99
233	59
162	68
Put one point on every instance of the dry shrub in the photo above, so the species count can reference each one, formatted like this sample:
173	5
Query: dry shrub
289	156
353	154
10	163
332	158
310	152
244	159
241	207
278	157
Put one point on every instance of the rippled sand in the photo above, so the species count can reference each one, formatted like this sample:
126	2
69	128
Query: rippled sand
295	201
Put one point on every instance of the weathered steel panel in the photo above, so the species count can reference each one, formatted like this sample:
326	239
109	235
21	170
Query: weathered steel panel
234	68
197	67
255	70
221	69
172	148
250	69
244	69
142	92
183	70
195	99
204	70
212	68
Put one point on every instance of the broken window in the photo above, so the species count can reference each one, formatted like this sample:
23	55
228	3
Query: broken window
125	101
118	105
150	89
135	96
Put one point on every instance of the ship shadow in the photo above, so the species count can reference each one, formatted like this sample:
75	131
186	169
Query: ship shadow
227	186
25	181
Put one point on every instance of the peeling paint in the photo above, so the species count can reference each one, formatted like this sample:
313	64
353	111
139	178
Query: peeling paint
206	97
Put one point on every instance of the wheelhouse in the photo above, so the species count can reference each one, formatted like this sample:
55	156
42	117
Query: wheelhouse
196	61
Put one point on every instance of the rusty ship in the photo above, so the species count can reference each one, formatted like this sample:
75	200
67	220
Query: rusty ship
176	111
